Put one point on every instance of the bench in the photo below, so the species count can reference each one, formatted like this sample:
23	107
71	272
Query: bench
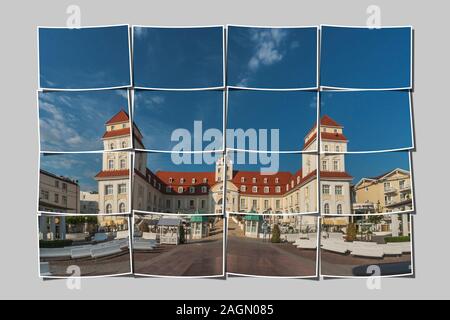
122	234
335	247
105	251
368	252
54	252
307	244
78	253
99	237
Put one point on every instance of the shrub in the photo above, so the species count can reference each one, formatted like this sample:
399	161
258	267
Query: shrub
397	239
351	232
276	235
55	243
182	237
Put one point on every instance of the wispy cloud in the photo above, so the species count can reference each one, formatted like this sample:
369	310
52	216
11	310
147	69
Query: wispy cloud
148	101
139	32
268	47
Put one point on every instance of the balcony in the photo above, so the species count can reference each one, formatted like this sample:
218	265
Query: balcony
405	187
390	190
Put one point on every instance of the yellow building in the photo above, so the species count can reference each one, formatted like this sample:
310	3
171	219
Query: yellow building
389	192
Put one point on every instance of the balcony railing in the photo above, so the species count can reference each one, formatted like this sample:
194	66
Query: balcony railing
405	187
389	190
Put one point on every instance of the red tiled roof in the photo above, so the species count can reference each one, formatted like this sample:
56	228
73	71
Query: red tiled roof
116	133
333	174
112	173
187	176
328	122
121	116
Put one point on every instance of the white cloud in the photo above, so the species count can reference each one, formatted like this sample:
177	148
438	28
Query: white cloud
268	47
139	32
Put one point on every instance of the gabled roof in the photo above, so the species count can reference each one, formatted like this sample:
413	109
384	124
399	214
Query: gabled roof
119	117
381	176
329	122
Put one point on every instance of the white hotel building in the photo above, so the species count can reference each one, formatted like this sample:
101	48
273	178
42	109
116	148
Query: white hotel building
247	191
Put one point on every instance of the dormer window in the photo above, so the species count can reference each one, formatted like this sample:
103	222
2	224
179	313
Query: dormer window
292	184
112	127
266	189
287	187
182	180
277	189
277	180
191	189
254	180
298	179
254	189
243	188
193	180
205	180
170	180
204	189
242	179
265	180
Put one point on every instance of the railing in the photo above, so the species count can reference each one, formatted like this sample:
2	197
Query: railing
389	190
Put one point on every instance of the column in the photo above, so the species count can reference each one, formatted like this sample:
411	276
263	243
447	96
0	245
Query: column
395	225
405	225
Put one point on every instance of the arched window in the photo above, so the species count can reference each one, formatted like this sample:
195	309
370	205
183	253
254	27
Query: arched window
338	149
111	164
326	208
108	208
122	164
124	144
339	209
111	146
122	207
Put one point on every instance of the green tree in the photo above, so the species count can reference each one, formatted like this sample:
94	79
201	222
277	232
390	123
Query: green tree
276	234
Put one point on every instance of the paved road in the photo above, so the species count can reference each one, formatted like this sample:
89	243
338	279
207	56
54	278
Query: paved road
255	257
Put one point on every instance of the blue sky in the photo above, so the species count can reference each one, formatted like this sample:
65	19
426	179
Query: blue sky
84	58
372	120
375	164
81	167
294	113
75	121
163	162
178	57
365	58
290	162
272	57
159	113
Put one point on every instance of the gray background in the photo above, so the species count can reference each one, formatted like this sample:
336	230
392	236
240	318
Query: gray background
18	248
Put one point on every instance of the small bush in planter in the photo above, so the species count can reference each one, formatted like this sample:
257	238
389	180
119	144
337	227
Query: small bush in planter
276	235
351	232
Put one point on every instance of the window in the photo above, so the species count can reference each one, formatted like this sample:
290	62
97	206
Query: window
205	180
298	179
123	164
111	164
44	195
266	189
111	146
193	180
338	149
243	188
339	209
64	186
179	204
336	165
402	184
266	204
307	192
191	189
277	180
191	204
64	200
326	189
277	189
387	185
326	208
325	147
242	179
278	204
324	165
203	204
56	198
254	180
243	204
108	208
109	189
180	189
124	144
254	189
338	190
265	180
122	207
204	189
168	189
254	204
122	188
56	184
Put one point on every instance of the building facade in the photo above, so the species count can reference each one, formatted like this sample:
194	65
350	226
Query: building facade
389	192
89	202
247	191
